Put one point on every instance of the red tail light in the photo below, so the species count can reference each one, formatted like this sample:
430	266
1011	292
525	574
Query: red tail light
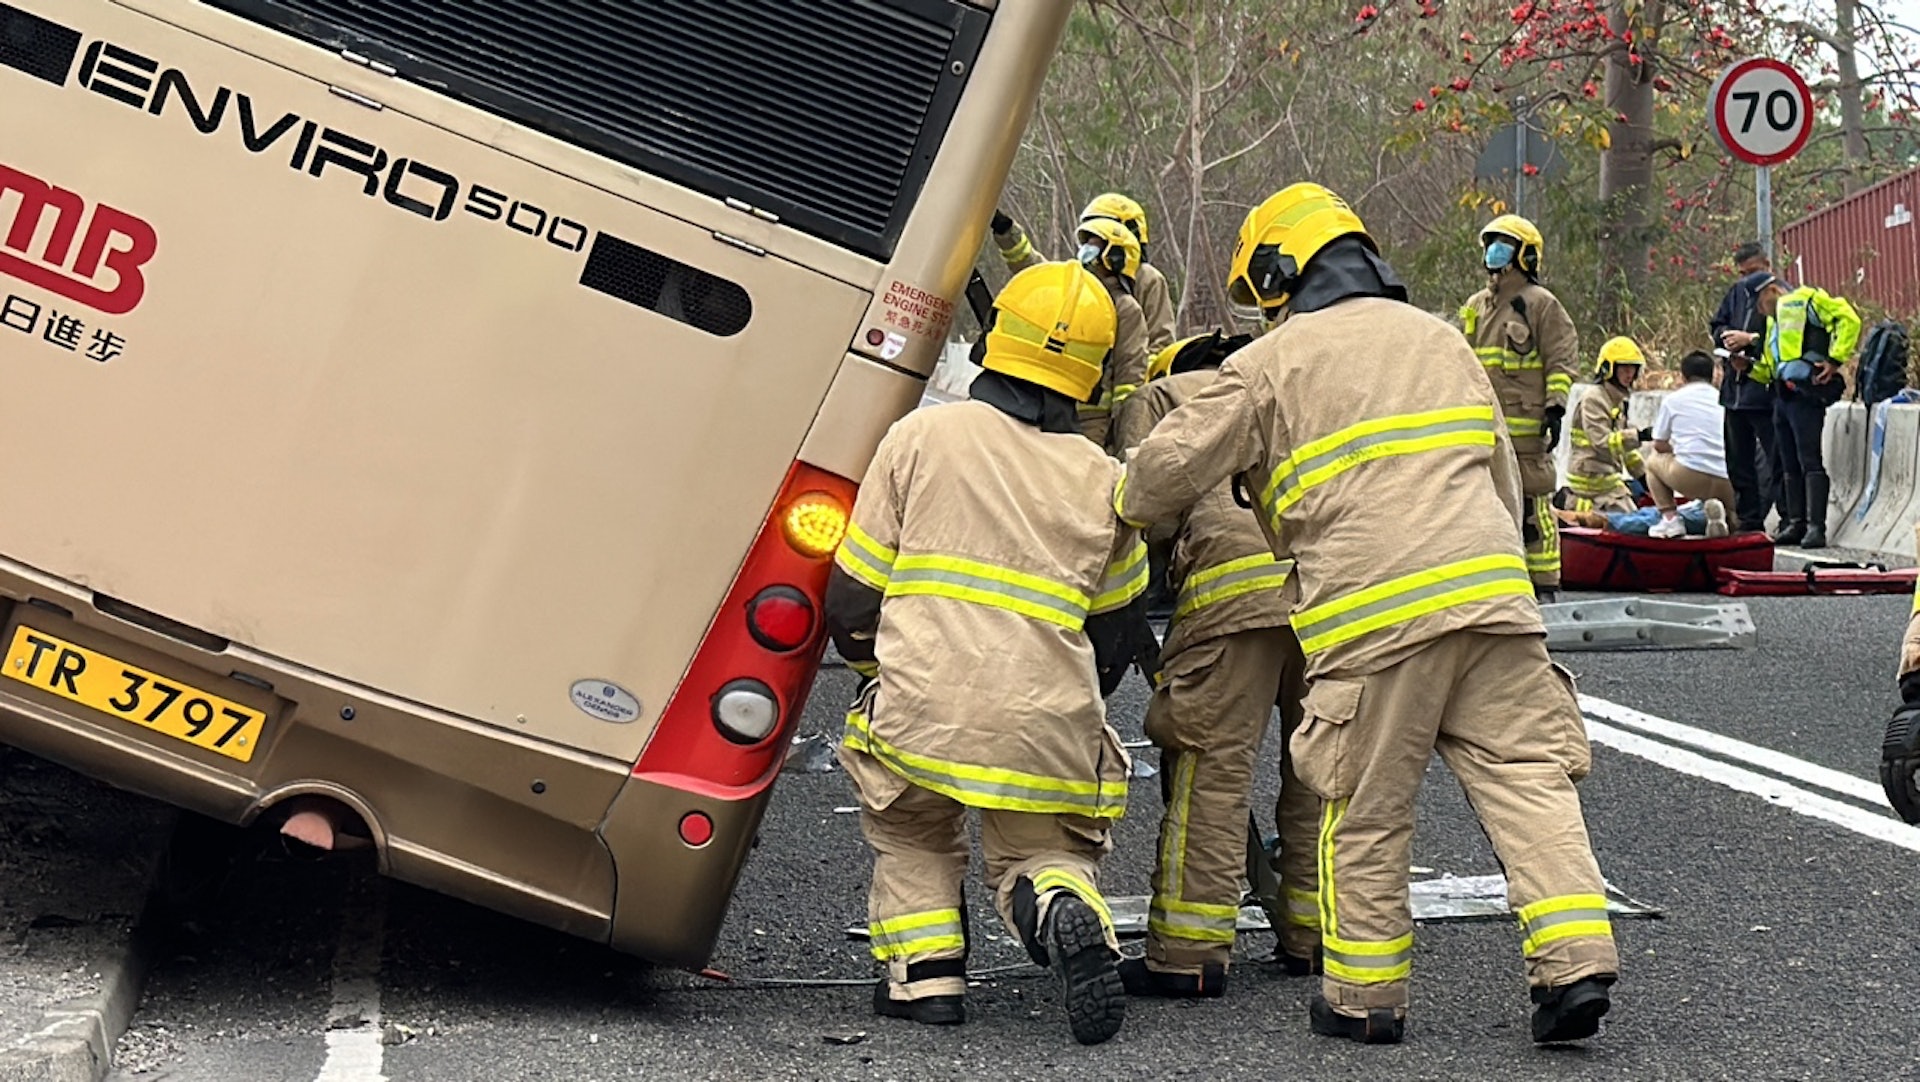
727	724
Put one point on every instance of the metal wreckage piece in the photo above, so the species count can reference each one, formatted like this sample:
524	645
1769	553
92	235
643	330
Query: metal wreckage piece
1616	623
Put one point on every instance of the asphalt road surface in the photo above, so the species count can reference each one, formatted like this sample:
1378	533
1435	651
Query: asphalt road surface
1734	789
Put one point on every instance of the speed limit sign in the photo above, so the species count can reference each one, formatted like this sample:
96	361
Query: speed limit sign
1762	111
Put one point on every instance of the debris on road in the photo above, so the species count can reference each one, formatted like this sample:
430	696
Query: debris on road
812	754
855	1036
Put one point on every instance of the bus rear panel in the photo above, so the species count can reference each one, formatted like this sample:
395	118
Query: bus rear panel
443	409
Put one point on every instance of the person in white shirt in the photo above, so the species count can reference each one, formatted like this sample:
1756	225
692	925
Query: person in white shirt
1689	457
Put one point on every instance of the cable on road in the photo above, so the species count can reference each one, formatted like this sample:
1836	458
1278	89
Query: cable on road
723	977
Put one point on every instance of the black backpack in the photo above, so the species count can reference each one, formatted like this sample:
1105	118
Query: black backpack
1883	363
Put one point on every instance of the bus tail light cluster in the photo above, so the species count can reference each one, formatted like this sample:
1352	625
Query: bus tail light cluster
720	733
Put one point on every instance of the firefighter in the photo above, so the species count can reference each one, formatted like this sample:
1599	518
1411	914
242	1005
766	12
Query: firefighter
1156	299
1354	408
1605	450
1526	341
1229	659
1099	244
982	589
1810	334
1900	751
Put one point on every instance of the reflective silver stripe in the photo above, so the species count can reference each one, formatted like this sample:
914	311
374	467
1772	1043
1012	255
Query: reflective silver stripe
1311	625
1366	961
1564	916
1291	484
992	787
1200	592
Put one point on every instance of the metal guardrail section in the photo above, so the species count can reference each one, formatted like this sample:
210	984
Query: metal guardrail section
1617	623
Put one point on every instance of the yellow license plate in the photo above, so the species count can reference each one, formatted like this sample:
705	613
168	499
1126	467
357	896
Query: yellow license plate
133	694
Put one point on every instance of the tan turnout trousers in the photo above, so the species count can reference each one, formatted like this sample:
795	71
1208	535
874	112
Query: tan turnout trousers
1507	724
1668	480
915	910
1209	717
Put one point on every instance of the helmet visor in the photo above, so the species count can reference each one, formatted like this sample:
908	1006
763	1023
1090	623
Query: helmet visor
1500	253
1242	301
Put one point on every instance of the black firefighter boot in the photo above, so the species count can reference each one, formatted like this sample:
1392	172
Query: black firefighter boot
1570	1012
927	1010
1073	943
1139	980
1816	536
1793	511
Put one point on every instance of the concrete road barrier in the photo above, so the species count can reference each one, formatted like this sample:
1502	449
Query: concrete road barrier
1845	447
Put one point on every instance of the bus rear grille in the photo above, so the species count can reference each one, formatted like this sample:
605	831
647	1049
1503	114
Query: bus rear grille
826	114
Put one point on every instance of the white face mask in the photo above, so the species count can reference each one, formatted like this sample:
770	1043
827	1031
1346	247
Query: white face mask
1089	256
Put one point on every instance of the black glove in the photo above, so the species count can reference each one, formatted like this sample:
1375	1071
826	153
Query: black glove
1001	223
1550	427
1646	435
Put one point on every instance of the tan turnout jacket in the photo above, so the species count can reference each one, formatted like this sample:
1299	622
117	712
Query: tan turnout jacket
1227	577
991	542
1374	448
1603	448
1530	352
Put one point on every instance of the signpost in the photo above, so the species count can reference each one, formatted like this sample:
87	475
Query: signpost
1762	113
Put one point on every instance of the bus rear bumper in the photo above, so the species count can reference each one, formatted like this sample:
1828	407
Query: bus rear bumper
672	888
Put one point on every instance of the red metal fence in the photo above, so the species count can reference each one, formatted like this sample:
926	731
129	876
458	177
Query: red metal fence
1864	248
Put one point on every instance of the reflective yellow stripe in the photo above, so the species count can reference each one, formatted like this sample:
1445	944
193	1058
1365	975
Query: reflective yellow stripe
961	579
1592	485
1235	578
1119	499
1409	597
989	787
917	934
1125	580
1507	360
1524	427
1559	383
1061	879
1545	559
1567	916
1018	252
1580	438
1330	813
1321	460
1634	464
1170	919
1303	907
1123	391
864	558
1357	961
865	668
1349	960
1469	319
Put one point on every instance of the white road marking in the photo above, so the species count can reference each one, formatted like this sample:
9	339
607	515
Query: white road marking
1773	790
354	1051
1834	781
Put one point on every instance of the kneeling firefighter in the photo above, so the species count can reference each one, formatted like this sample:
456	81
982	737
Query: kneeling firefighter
984	588
1605	451
1230	658
1355	406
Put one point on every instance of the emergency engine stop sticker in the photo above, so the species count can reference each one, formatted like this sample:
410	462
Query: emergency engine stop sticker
606	701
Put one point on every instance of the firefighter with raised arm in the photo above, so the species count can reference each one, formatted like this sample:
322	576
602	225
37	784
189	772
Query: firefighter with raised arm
1230	658
1356	406
984	588
1606	451
1527	344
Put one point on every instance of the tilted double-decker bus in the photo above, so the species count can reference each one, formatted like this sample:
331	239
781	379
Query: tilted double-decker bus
437	415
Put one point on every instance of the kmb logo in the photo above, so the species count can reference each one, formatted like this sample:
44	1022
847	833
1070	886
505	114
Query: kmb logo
114	241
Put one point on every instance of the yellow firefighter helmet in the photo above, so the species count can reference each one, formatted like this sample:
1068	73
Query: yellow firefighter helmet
1107	243
1529	248
1279	238
1053	325
1119	208
1614	352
